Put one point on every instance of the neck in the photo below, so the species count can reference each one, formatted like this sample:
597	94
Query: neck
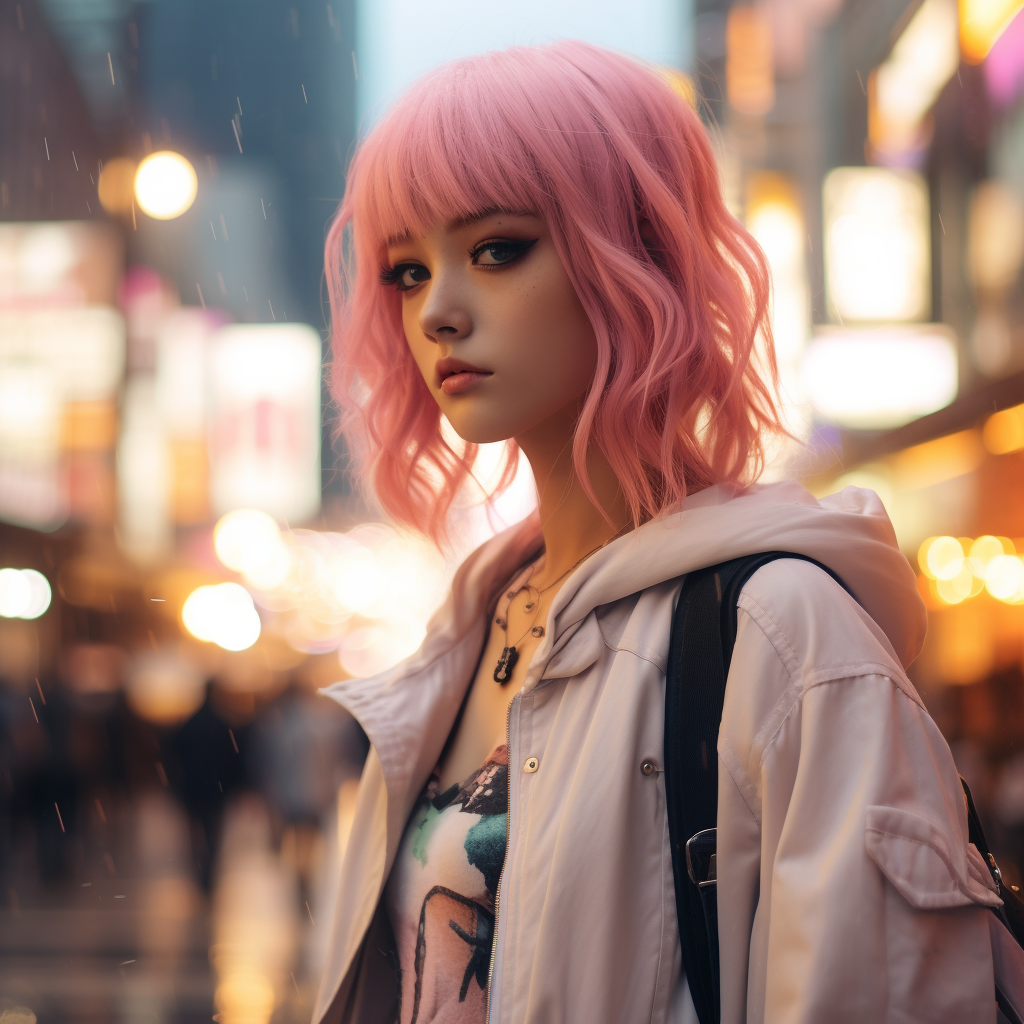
572	524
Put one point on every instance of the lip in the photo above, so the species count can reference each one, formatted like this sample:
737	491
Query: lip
456	383
450	367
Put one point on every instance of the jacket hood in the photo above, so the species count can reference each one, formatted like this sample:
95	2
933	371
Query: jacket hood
849	532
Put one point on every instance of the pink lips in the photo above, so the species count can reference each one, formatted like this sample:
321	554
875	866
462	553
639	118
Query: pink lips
455	375
456	383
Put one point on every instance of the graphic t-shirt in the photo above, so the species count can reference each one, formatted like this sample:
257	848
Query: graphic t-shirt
440	895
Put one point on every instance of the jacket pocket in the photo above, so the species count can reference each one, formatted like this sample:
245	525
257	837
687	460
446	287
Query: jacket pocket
916	856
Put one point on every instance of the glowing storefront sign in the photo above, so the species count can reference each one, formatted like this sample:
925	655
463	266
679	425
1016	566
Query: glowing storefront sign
143	474
59	372
877	242
874	379
903	88
62	356
58	263
183	341
265	420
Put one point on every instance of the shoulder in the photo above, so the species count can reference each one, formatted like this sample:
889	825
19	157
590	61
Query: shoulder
815	626
802	637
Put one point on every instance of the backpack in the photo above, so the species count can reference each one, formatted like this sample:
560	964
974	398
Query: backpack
704	627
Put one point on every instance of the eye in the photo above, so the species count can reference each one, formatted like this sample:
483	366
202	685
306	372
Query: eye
500	251
404	276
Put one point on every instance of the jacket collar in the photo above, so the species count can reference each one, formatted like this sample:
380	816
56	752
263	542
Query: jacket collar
408	711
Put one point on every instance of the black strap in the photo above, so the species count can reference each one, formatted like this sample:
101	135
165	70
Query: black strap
700	650
1011	913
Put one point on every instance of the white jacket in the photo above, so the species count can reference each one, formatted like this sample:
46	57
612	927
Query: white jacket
847	890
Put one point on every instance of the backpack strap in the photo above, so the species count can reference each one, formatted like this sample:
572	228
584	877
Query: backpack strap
700	649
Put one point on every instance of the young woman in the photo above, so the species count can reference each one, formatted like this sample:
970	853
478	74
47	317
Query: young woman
533	245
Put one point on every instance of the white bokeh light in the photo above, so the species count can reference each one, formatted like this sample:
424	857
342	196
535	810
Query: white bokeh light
250	542
874	379
24	593
223	614
15	593
165	185
40	595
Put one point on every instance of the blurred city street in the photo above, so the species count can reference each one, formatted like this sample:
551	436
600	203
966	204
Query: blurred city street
184	560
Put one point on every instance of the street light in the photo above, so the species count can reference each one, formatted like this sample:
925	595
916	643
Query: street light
165	185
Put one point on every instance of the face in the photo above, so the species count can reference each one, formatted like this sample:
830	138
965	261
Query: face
494	324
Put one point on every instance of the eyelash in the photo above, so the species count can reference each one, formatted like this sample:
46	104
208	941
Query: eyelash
393	275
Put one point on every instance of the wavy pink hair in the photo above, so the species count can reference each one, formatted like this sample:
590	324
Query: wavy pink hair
594	142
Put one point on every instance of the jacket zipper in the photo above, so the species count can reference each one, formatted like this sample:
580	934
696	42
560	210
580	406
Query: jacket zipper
508	839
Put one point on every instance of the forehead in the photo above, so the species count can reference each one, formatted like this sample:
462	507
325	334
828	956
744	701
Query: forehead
460	221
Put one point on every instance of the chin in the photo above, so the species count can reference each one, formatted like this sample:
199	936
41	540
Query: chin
478	430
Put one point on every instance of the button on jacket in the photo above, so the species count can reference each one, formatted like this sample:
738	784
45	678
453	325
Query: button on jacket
847	890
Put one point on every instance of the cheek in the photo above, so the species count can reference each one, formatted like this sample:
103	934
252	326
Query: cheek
565	347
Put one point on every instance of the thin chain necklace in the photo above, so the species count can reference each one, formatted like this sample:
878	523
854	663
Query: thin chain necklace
509	653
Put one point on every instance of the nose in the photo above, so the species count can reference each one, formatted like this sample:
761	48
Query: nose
443	315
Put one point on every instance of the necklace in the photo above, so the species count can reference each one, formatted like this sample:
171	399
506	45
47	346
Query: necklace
509	653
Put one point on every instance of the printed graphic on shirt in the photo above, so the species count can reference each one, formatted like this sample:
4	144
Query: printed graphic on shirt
441	895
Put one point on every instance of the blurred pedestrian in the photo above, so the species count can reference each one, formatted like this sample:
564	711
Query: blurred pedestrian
209	767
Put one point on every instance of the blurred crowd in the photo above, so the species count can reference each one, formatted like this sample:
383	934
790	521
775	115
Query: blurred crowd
159	843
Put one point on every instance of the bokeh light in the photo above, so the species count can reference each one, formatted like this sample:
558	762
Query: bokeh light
116	185
1004	431
1005	578
960	587
941	558
162	689
955	569
24	593
250	542
357	580
244	997
983	551
366	593
165	185
223	614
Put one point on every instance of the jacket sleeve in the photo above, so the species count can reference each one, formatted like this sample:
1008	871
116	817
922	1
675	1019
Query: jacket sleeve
868	902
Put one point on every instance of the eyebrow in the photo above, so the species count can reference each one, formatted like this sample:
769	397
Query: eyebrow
457	223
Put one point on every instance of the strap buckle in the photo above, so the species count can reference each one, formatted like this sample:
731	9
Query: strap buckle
701	856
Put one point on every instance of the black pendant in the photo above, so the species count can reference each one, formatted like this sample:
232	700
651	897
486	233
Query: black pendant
507	661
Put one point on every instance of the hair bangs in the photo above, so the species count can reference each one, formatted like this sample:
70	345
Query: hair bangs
439	160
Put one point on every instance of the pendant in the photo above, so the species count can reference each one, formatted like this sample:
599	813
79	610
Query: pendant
507	661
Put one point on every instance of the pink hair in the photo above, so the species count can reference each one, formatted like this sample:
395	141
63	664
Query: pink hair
594	142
